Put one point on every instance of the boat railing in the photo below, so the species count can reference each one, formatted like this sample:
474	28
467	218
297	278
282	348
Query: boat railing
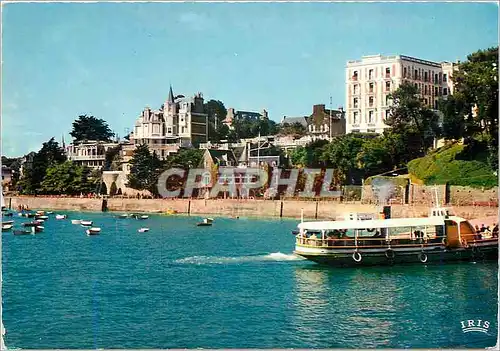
369	242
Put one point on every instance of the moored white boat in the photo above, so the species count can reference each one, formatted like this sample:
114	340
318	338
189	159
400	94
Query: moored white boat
143	230
392	241
59	216
76	221
6	227
93	231
86	223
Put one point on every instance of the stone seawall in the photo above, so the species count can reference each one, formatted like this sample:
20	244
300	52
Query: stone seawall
243	208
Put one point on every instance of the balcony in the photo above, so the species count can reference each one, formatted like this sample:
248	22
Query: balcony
87	158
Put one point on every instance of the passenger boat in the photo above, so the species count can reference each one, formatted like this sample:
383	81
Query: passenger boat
436	239
86	223
93	231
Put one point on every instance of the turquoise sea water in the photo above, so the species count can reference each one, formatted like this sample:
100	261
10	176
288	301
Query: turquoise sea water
233	285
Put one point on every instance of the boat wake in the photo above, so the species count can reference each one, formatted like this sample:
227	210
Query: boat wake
275	256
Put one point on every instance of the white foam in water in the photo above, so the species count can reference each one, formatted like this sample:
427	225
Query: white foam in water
275	256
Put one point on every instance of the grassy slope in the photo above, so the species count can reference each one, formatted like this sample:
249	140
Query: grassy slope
444	165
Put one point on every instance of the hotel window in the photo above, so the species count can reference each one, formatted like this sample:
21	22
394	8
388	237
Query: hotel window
415	76
355	75
387	113
444	77
425	76
370	116
387	100
425	101
169	130
370	74
387	86
354	118
436	92
371	87
355	89
425	89
387	72
404	72
440	91
355	102
435	78
370	130
445	91
370	101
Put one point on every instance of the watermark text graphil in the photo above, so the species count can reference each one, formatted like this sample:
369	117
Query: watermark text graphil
243	182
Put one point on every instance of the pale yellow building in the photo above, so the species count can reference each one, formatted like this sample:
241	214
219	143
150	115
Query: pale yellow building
370	80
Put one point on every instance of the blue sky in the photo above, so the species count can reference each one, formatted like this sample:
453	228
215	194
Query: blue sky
112	59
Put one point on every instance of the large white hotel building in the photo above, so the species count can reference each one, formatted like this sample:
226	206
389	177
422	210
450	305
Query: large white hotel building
371	79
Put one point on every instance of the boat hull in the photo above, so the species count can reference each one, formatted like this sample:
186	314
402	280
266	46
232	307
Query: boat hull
436	255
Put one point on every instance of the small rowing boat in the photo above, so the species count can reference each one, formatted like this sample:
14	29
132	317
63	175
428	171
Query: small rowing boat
86	223
143	230
206	222
59	216
93	231
76	221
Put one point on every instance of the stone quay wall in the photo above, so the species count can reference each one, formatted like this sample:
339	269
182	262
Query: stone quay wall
244	208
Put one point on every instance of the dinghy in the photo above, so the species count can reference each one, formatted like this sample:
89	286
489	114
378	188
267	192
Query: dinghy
76	221
86	223
206	222
143	230
93	231
6	227
59	216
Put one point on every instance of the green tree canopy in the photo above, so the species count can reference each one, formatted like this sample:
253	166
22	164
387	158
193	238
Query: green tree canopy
409	114
91	128
184	158
70	179
342	154
476	86
296	129
145	170
49	155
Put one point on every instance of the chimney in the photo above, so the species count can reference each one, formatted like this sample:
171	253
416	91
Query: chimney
318	109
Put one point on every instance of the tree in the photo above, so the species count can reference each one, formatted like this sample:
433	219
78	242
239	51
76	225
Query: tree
342	153
216	112
296	130
409	114
299	157
113	159
185	159
91	128
68	178
454	117
476	84
49	155
145	170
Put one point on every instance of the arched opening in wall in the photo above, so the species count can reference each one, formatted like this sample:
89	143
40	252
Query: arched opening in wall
104	189
113	189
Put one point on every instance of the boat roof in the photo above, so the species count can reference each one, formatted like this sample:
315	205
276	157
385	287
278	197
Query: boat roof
377	223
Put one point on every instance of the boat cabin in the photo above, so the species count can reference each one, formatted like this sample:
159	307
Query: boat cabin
437	230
